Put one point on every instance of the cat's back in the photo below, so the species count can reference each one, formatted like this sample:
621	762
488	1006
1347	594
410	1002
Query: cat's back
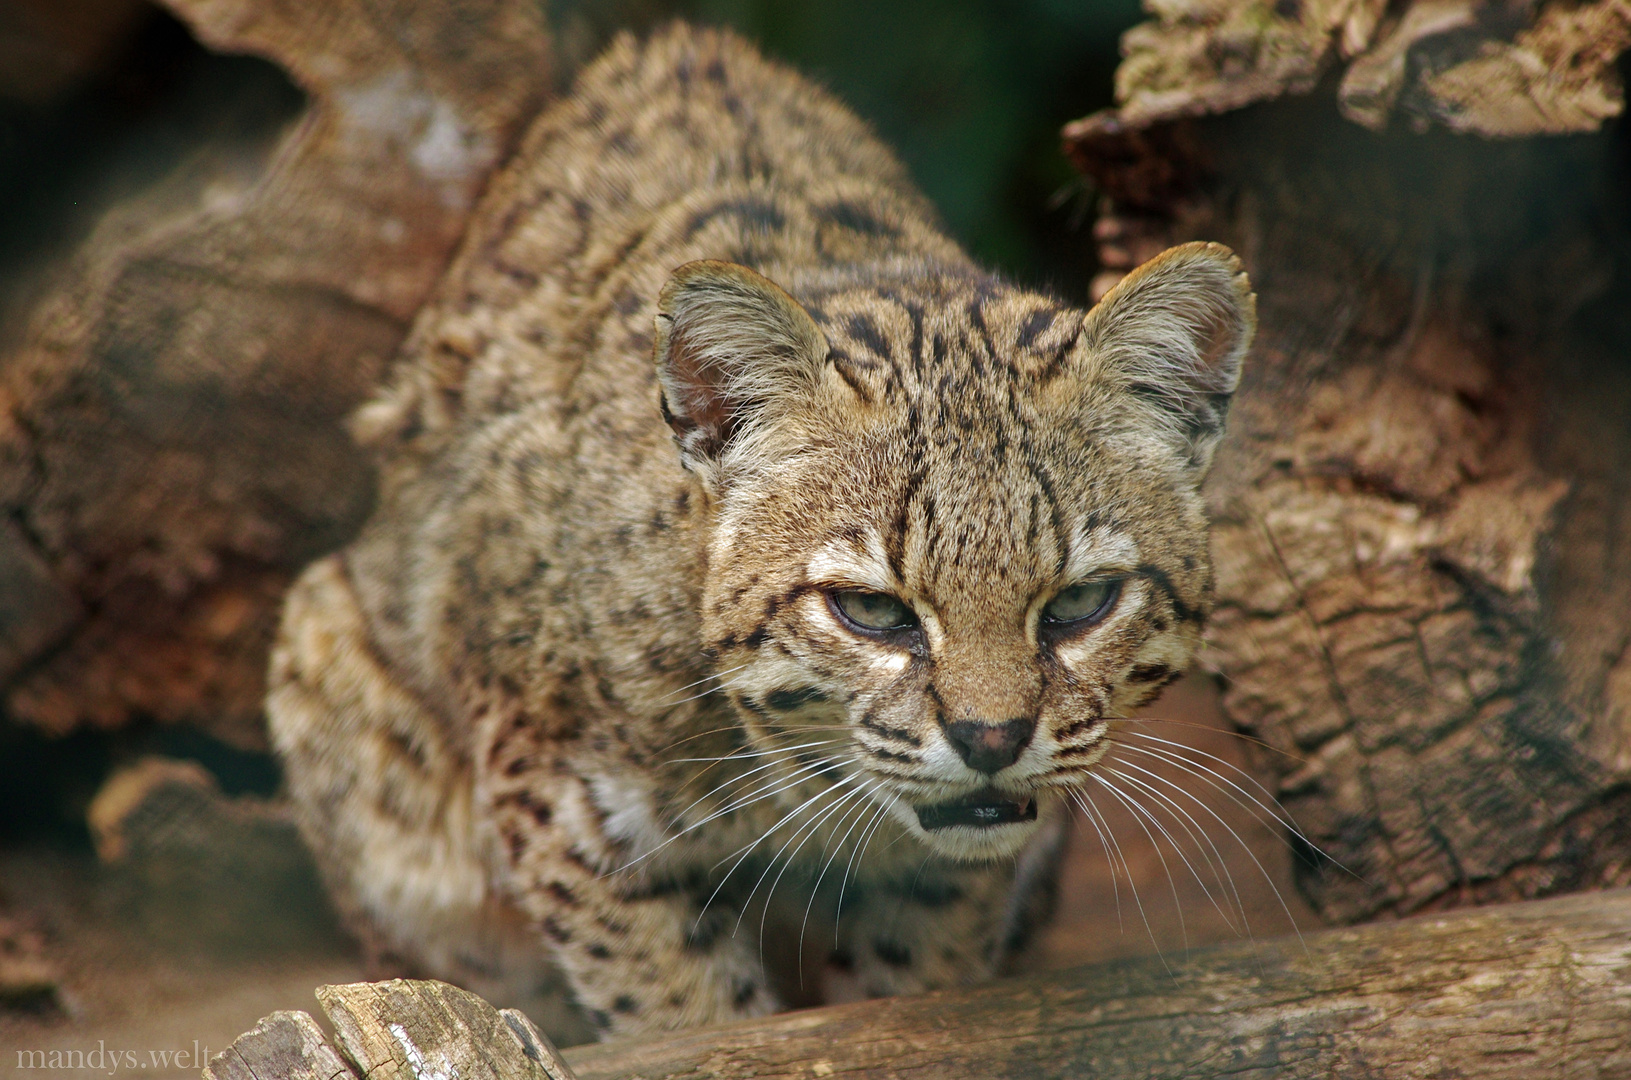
688	145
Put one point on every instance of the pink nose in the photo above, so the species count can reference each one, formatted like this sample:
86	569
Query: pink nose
989	748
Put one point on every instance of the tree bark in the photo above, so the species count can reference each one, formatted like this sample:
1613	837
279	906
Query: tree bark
1421	521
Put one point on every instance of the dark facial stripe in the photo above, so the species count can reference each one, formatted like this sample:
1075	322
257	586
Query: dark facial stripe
866	333
1080	727
895	542
788	700
871	724
1159	579
1040	474
1149	673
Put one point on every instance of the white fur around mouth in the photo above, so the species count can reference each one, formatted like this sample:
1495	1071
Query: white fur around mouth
982	809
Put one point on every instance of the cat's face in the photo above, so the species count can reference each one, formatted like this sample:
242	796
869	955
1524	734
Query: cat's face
953	545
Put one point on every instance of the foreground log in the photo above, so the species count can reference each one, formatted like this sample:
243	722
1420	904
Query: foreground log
1422	572
1536	989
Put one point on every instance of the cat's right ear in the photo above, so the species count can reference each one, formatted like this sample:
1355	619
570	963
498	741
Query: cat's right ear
1172	334
730	345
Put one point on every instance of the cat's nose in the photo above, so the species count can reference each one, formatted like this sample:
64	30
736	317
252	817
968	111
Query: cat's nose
988	747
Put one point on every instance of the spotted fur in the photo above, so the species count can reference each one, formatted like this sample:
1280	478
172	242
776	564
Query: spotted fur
706	364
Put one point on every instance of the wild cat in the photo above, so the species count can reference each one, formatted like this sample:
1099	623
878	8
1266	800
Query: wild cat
746	561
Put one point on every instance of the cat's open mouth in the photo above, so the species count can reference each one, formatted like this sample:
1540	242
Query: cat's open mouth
980	810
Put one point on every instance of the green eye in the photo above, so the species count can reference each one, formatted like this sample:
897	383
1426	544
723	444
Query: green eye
1089	601
873	610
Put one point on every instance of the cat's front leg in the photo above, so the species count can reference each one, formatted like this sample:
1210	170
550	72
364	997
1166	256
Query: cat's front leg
924	927
638	953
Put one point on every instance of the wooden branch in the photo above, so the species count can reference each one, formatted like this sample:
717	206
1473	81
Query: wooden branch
1536	989
418	1029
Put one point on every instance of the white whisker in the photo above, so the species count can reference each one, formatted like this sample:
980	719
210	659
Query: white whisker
1139	813
699	682
1211	777
1115	877
698	697
857	857
745	850
1198	836
809	829
741	756
734	725
1261	869
837	849
1132	885
765	791
1272	807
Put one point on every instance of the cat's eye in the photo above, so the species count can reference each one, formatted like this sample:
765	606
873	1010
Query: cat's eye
1087	602
873	611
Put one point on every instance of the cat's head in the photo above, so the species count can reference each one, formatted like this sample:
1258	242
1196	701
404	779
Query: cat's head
956	525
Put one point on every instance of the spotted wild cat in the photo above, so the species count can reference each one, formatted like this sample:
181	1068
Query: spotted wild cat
748	563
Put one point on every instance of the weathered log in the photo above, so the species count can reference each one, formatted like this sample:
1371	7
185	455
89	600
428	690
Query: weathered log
399	1028
283	1046
1493	68
390	1030
1422	573
172	437
1519	991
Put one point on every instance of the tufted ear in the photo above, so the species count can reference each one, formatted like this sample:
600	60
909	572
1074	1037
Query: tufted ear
729	345
1173	334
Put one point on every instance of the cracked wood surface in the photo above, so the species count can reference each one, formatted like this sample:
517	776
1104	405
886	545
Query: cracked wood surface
1492	69
1517	991
1527	990
1421	593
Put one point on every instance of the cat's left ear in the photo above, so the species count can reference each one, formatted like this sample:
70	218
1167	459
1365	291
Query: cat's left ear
1172	335
730	345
